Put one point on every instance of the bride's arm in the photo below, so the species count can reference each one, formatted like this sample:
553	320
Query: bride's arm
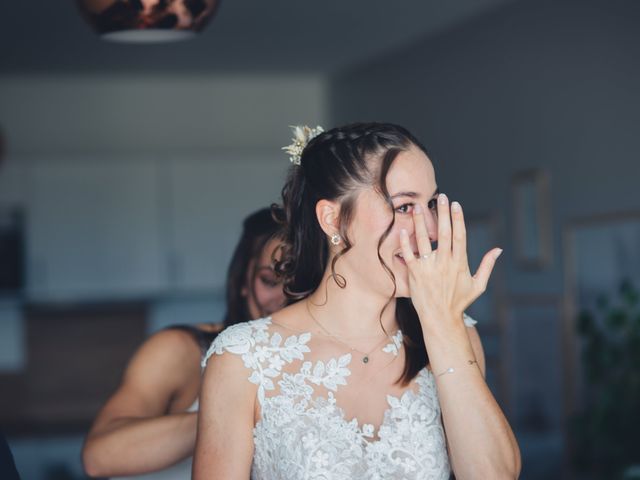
224	445
478	352
480	441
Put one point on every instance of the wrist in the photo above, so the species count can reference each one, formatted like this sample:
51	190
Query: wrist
435	318
443	325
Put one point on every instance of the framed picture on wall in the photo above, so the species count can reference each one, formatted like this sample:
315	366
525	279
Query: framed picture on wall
531	200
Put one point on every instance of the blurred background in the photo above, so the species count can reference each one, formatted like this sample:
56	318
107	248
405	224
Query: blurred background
126	170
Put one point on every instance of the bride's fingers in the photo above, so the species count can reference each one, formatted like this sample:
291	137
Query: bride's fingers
407	251
444	228
486	267
422	235
459	235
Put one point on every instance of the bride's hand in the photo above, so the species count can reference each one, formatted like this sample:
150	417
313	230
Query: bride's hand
440	282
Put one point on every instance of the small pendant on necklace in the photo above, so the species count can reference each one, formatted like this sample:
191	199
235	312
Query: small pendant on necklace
365	359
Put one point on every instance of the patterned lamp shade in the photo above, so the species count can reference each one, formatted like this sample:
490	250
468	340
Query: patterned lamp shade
148	21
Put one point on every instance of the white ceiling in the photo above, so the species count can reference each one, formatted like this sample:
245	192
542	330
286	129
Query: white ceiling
245	36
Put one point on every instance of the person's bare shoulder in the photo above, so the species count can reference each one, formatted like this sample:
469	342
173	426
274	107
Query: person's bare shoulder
162	367
293	317
165	366
171	349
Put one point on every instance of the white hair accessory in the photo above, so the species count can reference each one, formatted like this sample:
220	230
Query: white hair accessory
302	136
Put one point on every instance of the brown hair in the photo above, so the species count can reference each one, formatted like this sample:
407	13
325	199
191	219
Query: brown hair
333	166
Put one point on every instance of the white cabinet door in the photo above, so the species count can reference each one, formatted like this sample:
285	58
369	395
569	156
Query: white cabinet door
209	198
93	229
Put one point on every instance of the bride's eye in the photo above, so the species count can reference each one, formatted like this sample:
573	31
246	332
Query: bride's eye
433	204
405	208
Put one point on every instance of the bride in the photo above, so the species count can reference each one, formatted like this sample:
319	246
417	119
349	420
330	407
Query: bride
375	371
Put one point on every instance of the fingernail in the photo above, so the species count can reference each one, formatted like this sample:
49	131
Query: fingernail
417	208
442	199
404	232
455	206
498	253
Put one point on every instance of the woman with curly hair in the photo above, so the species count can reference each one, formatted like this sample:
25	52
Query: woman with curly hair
375	372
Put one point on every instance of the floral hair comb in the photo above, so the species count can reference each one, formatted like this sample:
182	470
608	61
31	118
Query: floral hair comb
302	136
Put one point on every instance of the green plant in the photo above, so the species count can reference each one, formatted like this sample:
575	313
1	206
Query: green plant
607	433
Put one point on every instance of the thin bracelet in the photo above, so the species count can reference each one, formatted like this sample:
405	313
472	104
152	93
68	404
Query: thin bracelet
451	369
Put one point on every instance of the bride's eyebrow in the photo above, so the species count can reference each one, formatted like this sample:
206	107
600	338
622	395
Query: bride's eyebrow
405	194
414	194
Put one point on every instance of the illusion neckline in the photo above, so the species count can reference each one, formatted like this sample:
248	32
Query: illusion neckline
393	402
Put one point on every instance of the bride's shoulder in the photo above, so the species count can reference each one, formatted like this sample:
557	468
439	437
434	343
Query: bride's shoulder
240	338
256	350
291	318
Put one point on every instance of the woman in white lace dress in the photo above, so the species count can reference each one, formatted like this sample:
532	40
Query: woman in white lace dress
375	372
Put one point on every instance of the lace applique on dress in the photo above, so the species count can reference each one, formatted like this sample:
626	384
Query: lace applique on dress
303	433
263	354
393	347
468	321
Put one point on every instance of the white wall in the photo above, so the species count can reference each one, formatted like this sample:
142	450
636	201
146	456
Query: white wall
61	114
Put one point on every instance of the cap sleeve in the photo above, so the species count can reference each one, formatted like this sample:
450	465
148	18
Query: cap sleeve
263	352
240	339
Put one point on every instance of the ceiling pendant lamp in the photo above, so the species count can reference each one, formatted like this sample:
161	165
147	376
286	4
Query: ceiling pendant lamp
148	21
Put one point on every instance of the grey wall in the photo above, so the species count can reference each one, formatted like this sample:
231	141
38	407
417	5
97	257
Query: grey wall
553	84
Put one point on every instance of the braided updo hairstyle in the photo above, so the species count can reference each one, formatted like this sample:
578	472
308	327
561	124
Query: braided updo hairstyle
335	166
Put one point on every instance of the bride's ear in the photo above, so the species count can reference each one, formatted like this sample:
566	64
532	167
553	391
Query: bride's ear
328	214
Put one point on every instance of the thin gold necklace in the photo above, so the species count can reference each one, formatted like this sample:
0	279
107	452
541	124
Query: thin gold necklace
366	355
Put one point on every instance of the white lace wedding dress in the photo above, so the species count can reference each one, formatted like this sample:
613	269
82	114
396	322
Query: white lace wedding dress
319	402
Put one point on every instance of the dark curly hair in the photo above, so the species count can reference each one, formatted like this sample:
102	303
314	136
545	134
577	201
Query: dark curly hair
334	166
257	229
